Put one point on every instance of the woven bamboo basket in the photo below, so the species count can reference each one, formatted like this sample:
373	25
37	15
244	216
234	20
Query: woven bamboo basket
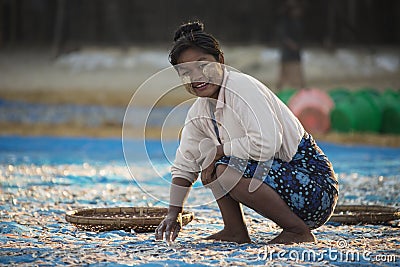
364	214
139	219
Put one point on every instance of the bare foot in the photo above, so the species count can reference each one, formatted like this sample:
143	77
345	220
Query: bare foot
226	235
286	237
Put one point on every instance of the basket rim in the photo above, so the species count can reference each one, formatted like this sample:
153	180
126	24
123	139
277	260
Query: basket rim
365	214
75	216
366	208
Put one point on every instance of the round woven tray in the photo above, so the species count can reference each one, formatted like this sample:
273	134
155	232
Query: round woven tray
362	214
139	219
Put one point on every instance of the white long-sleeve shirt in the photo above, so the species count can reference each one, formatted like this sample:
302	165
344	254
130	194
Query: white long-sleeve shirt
252	123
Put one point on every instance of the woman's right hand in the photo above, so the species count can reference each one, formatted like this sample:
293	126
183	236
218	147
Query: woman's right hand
171	226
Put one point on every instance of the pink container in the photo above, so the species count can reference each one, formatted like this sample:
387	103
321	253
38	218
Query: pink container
312	107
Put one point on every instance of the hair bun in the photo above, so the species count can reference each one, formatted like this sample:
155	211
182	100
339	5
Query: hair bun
187	28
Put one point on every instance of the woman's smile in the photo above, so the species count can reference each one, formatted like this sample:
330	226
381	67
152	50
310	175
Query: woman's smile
200	86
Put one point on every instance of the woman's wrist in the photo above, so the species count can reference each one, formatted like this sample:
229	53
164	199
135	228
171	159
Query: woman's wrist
173	211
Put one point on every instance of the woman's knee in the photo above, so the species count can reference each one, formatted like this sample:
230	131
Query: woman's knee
220	169
227	177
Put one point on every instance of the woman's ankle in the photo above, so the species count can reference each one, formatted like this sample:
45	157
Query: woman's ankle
298	229
231	235
286	237
240	231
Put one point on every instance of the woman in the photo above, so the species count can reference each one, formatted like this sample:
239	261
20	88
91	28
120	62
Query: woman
249	148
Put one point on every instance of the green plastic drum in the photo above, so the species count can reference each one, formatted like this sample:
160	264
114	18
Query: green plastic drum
391	112
286	94
339	94
371	95
389	92
358	113
342	117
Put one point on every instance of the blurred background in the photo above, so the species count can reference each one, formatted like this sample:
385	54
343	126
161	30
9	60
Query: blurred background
127	22
70	67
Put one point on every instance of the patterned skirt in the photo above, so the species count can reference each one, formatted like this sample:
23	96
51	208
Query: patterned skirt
307	183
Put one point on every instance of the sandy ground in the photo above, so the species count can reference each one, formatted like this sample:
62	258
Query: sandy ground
109	77
35	198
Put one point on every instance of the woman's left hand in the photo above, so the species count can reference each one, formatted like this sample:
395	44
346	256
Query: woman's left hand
208	175
220	152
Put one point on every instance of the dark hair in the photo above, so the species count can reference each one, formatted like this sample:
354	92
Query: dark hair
192	35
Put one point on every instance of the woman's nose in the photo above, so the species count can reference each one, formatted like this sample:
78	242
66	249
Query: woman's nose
197	75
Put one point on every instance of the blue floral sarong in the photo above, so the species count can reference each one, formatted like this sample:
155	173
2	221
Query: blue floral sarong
307	183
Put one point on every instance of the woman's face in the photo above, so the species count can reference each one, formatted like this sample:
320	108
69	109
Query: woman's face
200	72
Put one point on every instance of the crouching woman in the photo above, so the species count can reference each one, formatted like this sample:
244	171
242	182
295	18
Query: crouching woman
249	148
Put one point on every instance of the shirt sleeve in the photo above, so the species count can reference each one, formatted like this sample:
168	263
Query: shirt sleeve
258	117
186	164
